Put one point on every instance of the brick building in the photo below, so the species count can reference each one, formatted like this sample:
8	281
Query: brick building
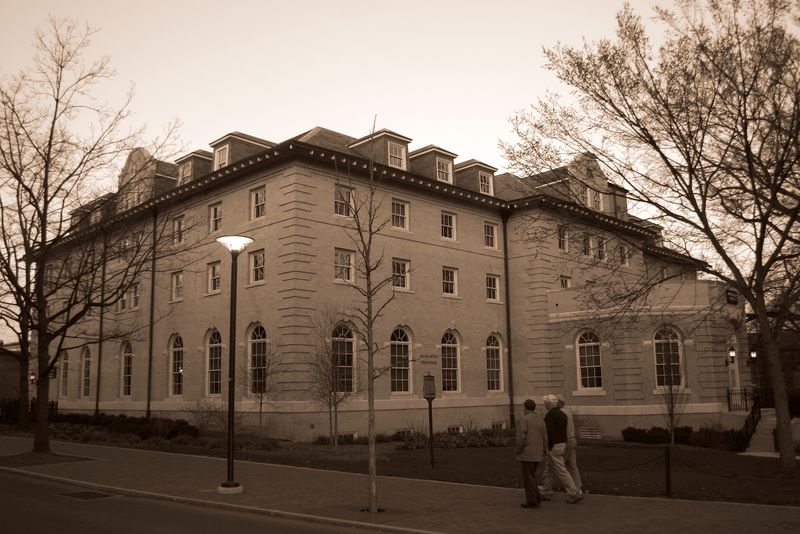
503	288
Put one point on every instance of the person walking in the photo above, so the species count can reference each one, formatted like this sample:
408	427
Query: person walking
571	454
530	447
556	423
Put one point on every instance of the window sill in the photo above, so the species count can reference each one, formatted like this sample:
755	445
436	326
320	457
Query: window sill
256	284
341	282
449	239
454	297
175	301
213	293
400	229
403	394
402	290
495	249
588	392
492	301
679	391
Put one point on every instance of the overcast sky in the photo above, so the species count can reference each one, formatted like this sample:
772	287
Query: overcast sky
441	72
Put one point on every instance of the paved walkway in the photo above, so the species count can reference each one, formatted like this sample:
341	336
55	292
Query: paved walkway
411	505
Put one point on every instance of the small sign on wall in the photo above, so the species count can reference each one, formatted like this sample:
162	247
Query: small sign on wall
429	359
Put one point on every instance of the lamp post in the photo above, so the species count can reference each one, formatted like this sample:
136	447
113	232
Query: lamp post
235	244
429	393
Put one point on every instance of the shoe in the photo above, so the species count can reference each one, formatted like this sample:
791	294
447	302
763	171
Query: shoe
544	497
529	505
575	500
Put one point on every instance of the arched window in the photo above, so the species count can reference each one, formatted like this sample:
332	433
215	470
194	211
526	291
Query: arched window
215	363
590	365
449	361
258	361
494	379
342	355
86	372
400	352
127	368
64	374
667	348
176	366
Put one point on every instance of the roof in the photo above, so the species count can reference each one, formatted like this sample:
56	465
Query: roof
473	162
430	148
380	133
205	154
245	137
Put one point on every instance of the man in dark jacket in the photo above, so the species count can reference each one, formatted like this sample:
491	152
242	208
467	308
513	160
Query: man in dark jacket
556	423
531	445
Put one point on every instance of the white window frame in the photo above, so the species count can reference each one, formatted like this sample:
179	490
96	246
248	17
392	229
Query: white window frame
677	340
185	172
343	265
493	287
589	358
587	247
602	253
221	157
126	370
258	203
135	296
213	277
624	256
400	357
449	280
63	385
400	216
396	155
176	382
349	344
176	286
486	186
215	217
448	378
490	235
257	356
177	230
565	282
597	203
494	355
214	376
401	274
563	238
257	263
448	221
444	170
86	373
343	204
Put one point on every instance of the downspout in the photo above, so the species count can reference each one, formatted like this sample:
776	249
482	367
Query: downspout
101	333
510	366
150	328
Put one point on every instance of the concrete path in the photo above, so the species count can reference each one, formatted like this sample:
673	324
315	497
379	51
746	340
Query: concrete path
762	441
410	505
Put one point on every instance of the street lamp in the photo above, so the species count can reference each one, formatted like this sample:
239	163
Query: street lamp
429	393
731	356
235	244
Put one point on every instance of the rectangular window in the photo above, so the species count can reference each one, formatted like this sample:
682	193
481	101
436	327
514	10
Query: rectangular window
493	287
220	157
257	266
215	217
598	201
127	373
122	303
449	363
176	286
214	277
64	374
444	170
400	274
135	296
563	242
343	265
587	246
399	214
583	195
493	378
185	173
86	372
177	230
449	281
343	201
176	369
215	368
342	353
258	203
448	225
397	155
624	256
486	185
489	235
601	249
566	282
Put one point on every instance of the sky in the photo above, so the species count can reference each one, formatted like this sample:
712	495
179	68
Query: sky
441	72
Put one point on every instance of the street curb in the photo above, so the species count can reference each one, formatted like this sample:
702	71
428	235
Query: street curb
380	527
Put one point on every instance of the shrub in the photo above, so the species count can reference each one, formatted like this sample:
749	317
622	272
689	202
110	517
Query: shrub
121	424
656	434
718	438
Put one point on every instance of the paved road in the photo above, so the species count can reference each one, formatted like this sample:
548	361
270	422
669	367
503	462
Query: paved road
31	506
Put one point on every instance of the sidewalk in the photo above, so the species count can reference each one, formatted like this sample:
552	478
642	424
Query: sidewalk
411	505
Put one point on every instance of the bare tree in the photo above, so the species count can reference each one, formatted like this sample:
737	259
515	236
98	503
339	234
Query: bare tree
65	254
259	372
330	383
704	131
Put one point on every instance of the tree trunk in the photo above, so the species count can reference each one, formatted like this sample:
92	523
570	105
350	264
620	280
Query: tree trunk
335	428
41	438
24	416
786	447
373	471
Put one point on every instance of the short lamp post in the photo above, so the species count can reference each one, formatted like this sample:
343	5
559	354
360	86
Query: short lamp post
731	356
429	393
235	244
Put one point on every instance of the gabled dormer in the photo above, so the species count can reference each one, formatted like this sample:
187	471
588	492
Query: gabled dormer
235	146
385	147
433	162
143	177
475	176
193	165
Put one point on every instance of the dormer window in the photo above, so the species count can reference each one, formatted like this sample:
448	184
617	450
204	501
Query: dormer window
397	155
221	157
185	173
444	170
485	182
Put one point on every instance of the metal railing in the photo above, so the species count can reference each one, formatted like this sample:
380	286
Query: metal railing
740	400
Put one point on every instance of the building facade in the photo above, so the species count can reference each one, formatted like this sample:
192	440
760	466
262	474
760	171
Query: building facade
501	287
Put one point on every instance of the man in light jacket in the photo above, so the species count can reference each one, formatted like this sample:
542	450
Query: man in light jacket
531	445
571	455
